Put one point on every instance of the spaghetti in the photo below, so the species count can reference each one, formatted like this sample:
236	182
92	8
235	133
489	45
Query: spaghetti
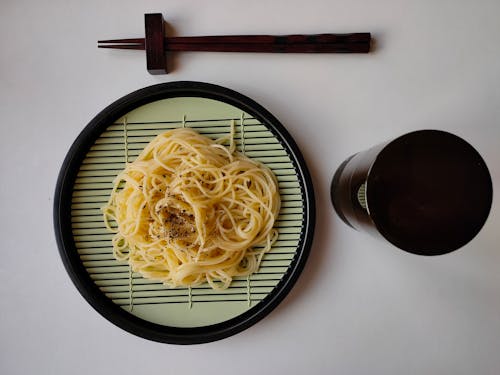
190	210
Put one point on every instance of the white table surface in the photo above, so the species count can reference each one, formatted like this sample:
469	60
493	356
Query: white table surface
360	306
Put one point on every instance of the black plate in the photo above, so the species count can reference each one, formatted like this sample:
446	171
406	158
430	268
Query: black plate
89	279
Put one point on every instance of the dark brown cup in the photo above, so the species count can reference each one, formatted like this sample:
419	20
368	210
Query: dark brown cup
428	192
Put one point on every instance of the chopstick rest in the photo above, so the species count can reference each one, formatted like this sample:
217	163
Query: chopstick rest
156	44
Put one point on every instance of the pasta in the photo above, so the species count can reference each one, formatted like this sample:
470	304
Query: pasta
190	210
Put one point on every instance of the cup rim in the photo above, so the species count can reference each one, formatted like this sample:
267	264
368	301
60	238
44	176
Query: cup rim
385	231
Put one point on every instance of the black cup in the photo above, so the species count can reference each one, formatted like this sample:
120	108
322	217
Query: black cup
428	192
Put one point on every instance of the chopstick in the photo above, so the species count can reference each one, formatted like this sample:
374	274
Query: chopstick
156	44
320	43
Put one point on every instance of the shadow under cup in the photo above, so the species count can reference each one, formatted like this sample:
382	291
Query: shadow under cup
427	192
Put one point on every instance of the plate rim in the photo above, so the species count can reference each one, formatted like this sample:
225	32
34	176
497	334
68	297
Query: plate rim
67	247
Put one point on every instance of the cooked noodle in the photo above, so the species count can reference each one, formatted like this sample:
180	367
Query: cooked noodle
190	210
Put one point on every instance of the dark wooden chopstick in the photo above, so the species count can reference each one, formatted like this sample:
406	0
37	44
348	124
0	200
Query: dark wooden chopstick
271	48
130	41
156	44
319	43
271	39
140	47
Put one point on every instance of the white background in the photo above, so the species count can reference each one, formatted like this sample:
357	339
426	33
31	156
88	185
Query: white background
360	306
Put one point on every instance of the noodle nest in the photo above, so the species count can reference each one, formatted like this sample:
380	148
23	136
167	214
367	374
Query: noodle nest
190	210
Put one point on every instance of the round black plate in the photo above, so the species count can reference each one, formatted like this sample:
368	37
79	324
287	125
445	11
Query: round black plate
76	264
